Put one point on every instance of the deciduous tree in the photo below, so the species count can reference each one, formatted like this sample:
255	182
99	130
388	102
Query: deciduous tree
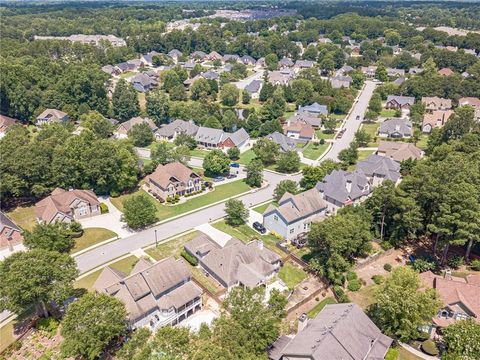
236	212
139	211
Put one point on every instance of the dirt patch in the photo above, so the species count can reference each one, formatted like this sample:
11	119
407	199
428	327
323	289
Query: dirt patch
397	258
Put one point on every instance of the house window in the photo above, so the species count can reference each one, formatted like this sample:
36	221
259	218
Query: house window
275	217
291	231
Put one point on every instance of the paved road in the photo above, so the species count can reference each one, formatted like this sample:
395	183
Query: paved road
243	83
351	123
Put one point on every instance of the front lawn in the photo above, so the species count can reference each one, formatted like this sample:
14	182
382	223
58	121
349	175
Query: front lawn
164	212
24	217
291	275
314	312
320	134
92	236
171	247
201	153
246	157
388	113
313	150
372	130
261	209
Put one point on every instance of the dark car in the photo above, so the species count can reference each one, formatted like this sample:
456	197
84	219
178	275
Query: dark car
358	117
235	165
259	227
231	176
218	178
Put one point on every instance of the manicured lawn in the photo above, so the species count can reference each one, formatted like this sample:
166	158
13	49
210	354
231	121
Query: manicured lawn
314	312
171	247
337	116
221	192
6	335
321	135
261	209
142	101
246	157
24	217
127	74
92	236
372	130
363	154
313	151
291	275
422	142
387	113
274	167
199	153
399	353
201	172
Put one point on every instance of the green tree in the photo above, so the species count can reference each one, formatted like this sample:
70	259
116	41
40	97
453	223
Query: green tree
302	90
200	89
229	120
216	162
233	153
139	211
96	122
349	156
275	106
288	162
284	186
462	340
158	107
271	60
329	124
125	101
91	323
381	73
213	122
314	174
236	212
55	237
254	173
401	307
135	346
185	140
178	93
362	138
170	79
375	103
180	154
46	276
229	95
266	150
246	97
141	135
161	153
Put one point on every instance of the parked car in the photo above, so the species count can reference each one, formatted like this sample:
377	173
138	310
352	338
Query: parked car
231	176
259	227
235	165
218	178
358	117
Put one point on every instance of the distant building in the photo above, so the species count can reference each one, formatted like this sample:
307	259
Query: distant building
436	103
217	138
95	40
399	151
314	109
50	116
399	102
143	83
339	82
446	72
175	55
172	130
125	127
5	123
396	128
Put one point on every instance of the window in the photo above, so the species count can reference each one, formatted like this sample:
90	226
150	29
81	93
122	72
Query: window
291	231
275	217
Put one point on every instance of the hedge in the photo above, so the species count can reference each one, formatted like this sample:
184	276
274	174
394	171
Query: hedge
192	260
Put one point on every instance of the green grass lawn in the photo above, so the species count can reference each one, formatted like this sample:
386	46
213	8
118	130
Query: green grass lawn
365	296
201	172
399	353
363	154
274	167
221	192
372	130
291	275
388	113
207	282
171	247
313	151
199	153
6	335
142	101
319	134
24	217
92	236
338	117
314	312
127	74
246	157
261	209
422	142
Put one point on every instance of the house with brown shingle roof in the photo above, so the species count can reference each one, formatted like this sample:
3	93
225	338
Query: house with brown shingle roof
436	103
446	72
237	263
299	130
10	234
460	297
154	295
125	127
436	119
399	150
67	206
5	123
172	179
50	116
295	213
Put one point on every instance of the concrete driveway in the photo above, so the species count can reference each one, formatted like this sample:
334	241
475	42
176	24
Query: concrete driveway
218	236
243	83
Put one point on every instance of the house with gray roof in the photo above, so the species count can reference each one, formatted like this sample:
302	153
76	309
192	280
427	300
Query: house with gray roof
122	131
338	332
125	66
211	75
175	54
198	55
341	188
286	143
154	295
143	83
314	109
239	139
307	118
11	236
339	82
230	58
396	128
172	130
216	138
236	263
295	213
148	58
208	137
285	62
254	88
399	102
49	116
380	168
392	72
248	60
135	64
304	64
189	65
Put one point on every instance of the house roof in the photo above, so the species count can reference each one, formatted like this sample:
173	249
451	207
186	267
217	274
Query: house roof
314	108
5	222
343	186
396	126
60	201
52	113
247	59
376	165
143	79
307	118
295	207
174	53
305	130
238	137
149	56
304	63
210	74
127	125
436	102
338	82
472	101
339	332
446	72
401	100
171	172
286	62
198	54
286	143
254	86
230	57
437	118
399	151
178	126
6	122
209	135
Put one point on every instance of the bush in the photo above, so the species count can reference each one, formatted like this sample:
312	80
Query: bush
423	336
387	267
429	347
377	279
103	208
322	141
455	261
49	325
354	285
422	265
351	275
192	260
385	245
475	265
341	296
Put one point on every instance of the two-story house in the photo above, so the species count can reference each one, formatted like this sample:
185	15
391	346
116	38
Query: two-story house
399	102
380	168
172	179
154	295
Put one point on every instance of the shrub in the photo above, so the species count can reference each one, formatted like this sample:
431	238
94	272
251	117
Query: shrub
192	260
49	325
429	347
351	275
377	279
422	265
387	267
455	261
385	245
322	141
423	336
475	264
103	208
341	296
354	285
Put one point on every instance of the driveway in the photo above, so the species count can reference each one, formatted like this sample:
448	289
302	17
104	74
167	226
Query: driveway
254	216
243	83
218	236
200	317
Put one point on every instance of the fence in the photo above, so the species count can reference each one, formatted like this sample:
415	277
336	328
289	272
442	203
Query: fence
373	258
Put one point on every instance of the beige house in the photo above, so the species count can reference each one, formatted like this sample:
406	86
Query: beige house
50	116
125	127
172	179
5	123
399	151
435	119
436	103
66	206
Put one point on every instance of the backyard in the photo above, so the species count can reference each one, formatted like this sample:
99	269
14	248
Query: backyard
313	150
24	217
314	312
372	130
92	236
291	275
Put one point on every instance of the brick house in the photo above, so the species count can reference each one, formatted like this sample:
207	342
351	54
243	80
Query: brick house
10	234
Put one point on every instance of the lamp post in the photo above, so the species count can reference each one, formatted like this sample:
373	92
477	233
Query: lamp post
156	241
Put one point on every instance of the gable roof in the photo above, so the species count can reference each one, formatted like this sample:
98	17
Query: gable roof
52	114
376	165
286	143
5	222
127	125
174	53
399	151
209	135
472	101
143	79
401	100
254	86
343	186
435	102
437	118
446	72
314	108
178	126
6	122
238	137
307	118
399	126
304	130
171	172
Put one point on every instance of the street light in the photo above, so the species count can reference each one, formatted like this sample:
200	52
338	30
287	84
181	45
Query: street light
156	241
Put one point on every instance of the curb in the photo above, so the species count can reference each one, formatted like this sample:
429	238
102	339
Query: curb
80	252
91	271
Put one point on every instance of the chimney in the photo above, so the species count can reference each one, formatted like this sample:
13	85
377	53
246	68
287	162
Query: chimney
260	244
302	322
348	186
448	274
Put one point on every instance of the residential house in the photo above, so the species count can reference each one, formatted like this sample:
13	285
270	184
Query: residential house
346	69
189	65
172	179
280	77
341	188
338	332
399	81
50	116
211	75
172	130
248	60
315	109
307	118
260	62
135	64
217	138
339	82
125	66
284	142
111	70
175	55
295	213
299	130
142	82
396	128
148	58
230	58
239	139
474	102
460	298
208	137
67	205
5	123
399	151
304	64
380	168
285	63
254	88
391	72
399	102
369	71
154	295
446	72
11	236
324	40
435	119
198	55
353	50
125	127
214	56
436	103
